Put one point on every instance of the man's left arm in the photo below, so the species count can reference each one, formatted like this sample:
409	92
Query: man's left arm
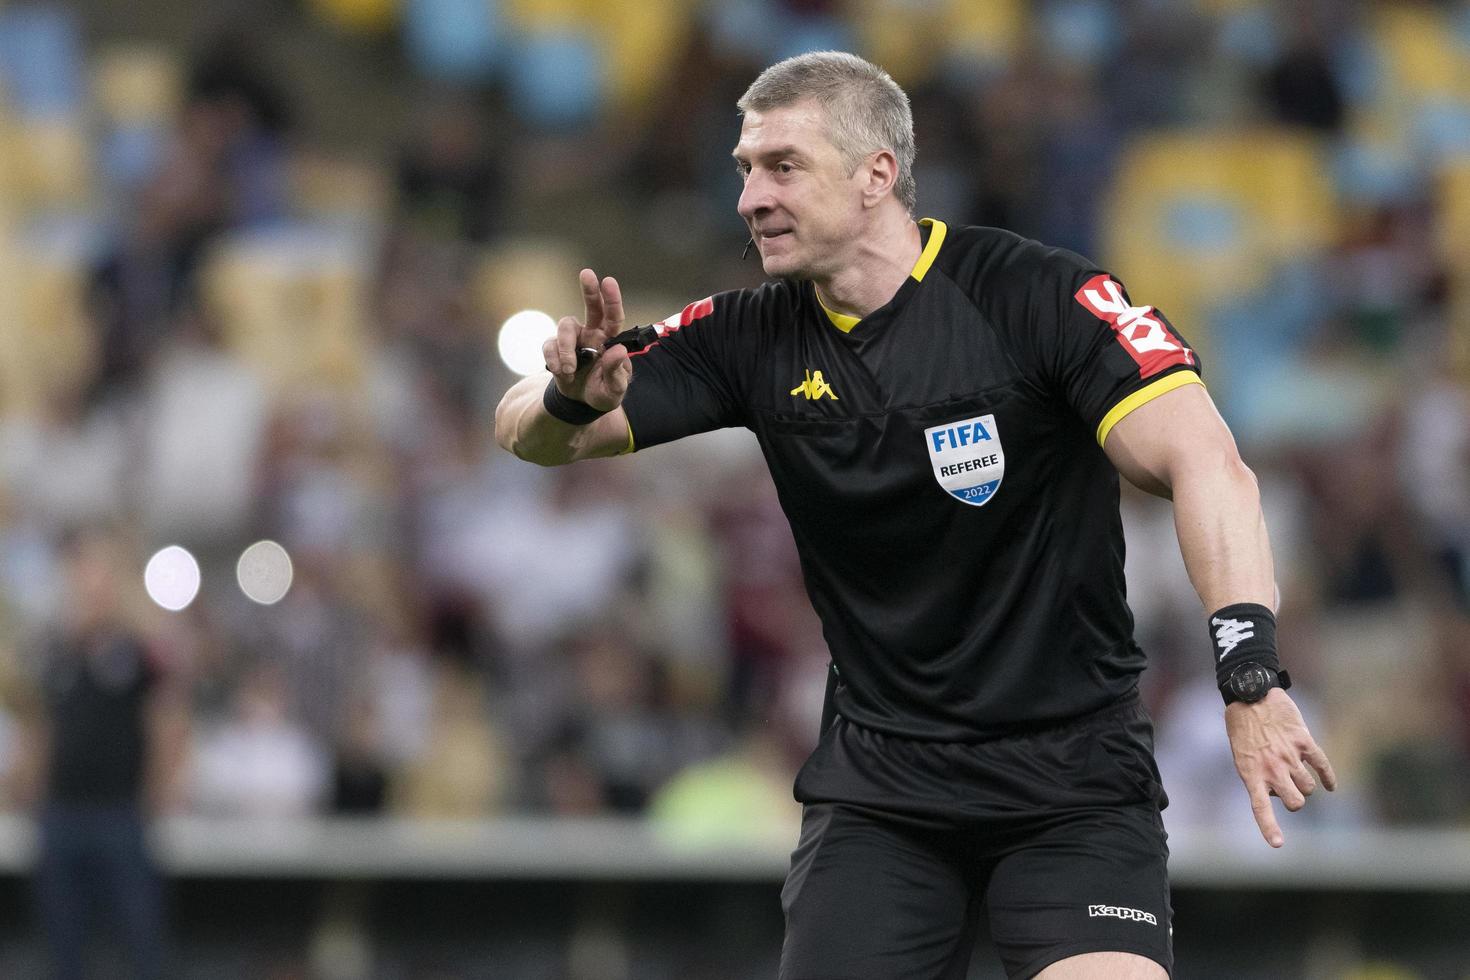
1177	446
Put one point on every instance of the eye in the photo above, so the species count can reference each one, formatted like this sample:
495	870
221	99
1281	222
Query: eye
785	167
742	168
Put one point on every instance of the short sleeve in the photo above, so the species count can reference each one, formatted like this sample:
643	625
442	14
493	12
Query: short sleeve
1110	356
683	383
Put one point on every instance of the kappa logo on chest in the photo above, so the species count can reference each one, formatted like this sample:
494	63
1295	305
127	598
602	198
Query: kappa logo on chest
967	458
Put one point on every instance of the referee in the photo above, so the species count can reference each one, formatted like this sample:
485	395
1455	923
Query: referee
945	412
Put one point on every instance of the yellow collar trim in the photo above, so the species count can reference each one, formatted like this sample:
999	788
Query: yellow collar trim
841	321
937	231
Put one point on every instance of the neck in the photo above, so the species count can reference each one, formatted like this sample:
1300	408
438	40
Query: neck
886	255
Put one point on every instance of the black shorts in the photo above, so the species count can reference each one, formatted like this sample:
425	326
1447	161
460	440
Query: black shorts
1053	836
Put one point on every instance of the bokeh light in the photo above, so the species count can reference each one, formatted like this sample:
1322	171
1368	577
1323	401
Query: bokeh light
172	578
264	572
521	337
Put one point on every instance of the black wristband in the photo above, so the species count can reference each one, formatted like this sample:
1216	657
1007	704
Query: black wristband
569	410
1242	633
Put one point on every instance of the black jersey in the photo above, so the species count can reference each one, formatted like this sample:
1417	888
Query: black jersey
940	463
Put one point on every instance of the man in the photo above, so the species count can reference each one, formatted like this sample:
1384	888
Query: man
963	401
105	737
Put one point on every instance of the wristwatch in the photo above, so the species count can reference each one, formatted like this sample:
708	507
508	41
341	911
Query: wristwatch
1250	681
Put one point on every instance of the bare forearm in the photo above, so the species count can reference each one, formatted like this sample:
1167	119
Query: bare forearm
1222	533
523	427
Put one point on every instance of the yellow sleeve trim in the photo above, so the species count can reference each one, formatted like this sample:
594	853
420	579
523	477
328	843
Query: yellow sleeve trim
1143	396
937	231
629	447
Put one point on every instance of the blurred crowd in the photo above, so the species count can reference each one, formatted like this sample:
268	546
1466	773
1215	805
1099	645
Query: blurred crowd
222	326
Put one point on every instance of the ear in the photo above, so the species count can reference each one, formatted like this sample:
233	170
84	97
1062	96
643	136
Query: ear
879	172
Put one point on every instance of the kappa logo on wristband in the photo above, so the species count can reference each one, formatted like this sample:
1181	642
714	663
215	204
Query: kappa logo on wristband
1231	633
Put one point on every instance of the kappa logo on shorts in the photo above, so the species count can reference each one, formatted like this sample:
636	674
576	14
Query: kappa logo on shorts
1118	912
967	457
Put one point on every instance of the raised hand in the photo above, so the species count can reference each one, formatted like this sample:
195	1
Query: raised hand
603	383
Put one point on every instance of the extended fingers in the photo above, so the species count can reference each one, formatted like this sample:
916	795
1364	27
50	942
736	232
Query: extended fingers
1318	760
617	371
612	306
592	299
1265	816
560	351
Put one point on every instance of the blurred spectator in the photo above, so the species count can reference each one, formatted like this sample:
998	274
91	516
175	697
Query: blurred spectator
237	117
464	771
740	797
203	416
768	615
68	464
1301	87
1436	473
359	773
106	736
449	181
260	762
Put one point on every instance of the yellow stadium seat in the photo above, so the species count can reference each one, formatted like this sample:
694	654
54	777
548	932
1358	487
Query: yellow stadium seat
324	187
359	16
1194	217
527	275
137	84
1454	214
907	39
293	306
48	343
543	15
1454	243
1421	58
643	38
988	30
45	164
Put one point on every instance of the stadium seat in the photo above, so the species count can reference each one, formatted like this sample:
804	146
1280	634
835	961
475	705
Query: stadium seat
523	274
291	301
643	38
330	189
41	61
369	17
556	77
45	163
455	41
1197	217
44	331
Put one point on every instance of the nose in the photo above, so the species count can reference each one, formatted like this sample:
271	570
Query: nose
755	197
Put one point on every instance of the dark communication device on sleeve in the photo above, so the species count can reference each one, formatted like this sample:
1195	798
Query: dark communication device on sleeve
634	338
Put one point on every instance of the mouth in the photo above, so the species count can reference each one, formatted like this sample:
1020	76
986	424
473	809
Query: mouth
771	234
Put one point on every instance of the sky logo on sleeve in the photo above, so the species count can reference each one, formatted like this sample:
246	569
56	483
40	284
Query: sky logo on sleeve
1142	330
967	458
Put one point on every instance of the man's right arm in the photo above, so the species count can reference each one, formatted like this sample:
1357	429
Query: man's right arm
523	426
526	428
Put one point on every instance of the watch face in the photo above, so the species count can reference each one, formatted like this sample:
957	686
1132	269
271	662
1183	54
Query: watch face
1250	682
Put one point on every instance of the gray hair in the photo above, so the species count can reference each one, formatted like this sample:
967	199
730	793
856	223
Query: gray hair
866	110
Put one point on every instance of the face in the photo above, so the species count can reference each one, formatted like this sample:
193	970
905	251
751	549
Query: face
803	209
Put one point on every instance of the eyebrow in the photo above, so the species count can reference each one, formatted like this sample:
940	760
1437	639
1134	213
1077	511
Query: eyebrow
780	151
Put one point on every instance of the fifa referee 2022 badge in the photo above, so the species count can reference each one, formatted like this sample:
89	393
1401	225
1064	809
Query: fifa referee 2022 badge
968	400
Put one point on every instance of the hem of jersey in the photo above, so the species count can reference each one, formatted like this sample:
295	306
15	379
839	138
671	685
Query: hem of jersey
1058	953
1142	397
